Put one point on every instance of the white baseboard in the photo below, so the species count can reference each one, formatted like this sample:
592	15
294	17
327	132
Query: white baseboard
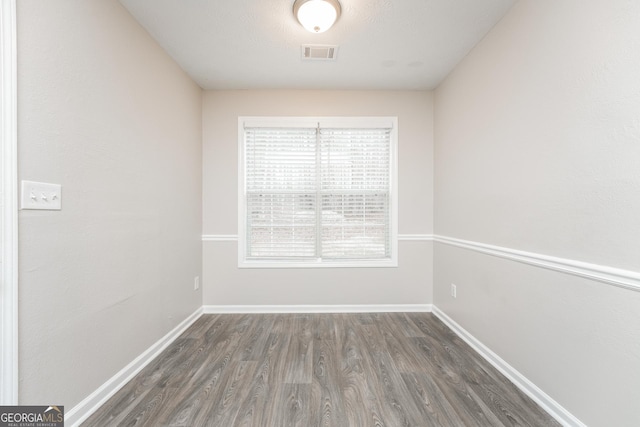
91	403
563	416
374	308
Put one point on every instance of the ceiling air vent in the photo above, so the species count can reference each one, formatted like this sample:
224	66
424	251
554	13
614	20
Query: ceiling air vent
319	52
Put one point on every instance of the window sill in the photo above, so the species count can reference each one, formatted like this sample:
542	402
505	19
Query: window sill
387	263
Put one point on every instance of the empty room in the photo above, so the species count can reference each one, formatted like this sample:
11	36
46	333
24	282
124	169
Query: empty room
320	213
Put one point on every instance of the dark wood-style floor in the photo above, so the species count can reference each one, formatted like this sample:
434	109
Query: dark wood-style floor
307	370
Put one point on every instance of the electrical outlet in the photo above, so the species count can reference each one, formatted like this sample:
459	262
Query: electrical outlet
453	291
196	283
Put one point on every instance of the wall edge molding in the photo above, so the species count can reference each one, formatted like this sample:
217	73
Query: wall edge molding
234	237
545	401
285	309
626	279
95	400
9	320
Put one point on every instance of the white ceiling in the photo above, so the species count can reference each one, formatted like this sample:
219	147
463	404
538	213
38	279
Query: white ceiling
255	44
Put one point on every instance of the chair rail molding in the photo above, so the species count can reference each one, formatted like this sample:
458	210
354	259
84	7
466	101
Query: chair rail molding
612	276
219	237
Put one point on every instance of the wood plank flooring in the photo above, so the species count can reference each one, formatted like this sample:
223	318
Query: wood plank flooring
329	370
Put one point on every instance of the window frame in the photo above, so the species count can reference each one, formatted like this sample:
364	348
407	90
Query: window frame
325	122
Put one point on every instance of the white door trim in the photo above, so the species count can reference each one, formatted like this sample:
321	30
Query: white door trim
8	207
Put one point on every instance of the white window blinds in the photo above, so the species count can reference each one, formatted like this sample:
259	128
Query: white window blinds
354	168
317	194
281	192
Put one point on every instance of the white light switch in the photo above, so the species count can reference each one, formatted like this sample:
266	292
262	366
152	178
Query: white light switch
41	195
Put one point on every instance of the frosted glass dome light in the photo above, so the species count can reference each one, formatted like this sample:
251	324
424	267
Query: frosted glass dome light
316	16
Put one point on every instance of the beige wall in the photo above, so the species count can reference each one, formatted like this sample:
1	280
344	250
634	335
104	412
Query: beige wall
537	148
225	284
104	112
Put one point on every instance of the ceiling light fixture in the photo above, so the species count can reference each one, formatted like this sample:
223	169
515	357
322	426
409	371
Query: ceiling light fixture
317	16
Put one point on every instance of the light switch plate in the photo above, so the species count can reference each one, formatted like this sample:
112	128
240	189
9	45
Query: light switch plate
41	195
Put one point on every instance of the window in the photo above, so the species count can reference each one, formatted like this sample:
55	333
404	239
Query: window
317	192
